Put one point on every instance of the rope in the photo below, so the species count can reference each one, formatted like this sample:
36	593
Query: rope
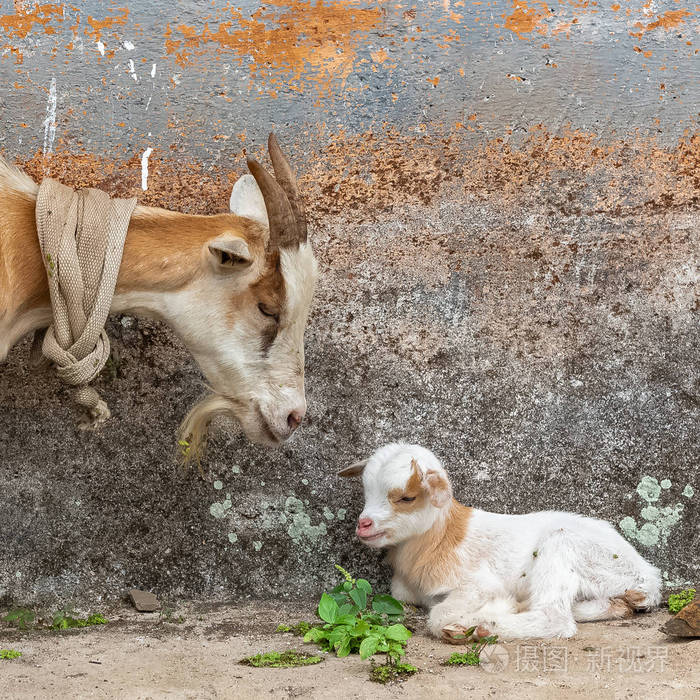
81	234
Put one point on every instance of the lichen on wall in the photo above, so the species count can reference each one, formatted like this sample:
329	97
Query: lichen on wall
656	522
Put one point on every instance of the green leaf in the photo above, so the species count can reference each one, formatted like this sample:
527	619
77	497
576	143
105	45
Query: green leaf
340	598
396	651
364	585
343	647
315	634
386	604
347	609
398	633
327	608
361	629
383	645
346	586
359	597
337	634
368	647
373	618
349	620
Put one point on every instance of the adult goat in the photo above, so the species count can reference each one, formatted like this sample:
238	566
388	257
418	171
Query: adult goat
236	288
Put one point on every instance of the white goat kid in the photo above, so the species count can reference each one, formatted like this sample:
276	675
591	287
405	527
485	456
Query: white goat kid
236	288
516	576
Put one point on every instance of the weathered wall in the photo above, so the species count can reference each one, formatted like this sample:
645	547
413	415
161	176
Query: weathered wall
504	198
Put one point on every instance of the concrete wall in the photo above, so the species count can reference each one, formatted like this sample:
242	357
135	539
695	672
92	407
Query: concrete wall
504	200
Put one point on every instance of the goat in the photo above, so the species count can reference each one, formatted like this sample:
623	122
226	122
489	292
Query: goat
236	288
481	573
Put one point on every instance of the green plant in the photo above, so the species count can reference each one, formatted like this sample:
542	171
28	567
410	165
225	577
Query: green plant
285	659
388	673
65	619
677	601
185	448
473	656
356	622
20	617
10	654
167	614
299	630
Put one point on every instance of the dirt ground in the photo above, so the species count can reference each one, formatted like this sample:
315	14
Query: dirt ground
150	655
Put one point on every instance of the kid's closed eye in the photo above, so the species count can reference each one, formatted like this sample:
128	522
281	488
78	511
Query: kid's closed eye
267	312
407	499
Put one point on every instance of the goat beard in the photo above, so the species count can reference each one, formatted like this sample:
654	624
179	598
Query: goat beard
194	429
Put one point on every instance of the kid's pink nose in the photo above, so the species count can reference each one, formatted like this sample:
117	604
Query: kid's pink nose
294	419
364	524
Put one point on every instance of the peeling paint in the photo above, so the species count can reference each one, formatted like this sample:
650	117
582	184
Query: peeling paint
298	44
144	168
50	121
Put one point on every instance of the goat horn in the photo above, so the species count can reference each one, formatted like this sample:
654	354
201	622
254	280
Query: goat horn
283	227
288	182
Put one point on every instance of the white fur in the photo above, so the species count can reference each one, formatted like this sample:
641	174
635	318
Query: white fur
518	576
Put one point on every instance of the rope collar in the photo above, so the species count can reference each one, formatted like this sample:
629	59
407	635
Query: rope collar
81	234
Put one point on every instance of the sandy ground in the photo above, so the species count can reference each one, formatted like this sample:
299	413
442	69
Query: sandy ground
146	656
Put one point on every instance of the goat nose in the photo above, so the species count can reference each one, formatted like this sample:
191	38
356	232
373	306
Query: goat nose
294	419
364	523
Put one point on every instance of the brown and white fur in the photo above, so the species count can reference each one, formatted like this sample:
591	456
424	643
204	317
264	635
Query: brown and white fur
516	576
236	288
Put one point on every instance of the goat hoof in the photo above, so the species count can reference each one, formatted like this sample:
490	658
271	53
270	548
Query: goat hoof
480	632
637	600
457	634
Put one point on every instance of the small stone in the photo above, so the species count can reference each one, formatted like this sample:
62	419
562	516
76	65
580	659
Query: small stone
144	601
686	623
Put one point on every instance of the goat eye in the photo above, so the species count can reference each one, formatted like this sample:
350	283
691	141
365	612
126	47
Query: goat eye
408	499
266	312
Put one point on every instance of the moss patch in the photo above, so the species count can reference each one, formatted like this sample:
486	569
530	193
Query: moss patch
299	630
10	654
469	658
63	620
285	659
677	601
391	673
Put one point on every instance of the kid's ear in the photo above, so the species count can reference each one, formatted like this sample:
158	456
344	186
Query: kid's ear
439	488
355	469
230	252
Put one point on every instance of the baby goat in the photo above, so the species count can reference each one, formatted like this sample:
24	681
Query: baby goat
516	576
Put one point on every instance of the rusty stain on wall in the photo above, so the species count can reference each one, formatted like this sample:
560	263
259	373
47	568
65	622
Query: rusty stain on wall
376	170
307	42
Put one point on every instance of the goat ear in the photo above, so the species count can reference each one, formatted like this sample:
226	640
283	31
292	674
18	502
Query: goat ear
230	252
355	469
247	200
439	488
